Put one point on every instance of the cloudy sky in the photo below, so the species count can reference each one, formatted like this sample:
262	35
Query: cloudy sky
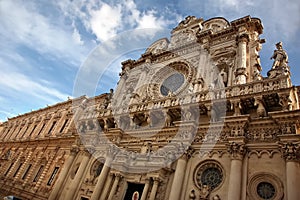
45	44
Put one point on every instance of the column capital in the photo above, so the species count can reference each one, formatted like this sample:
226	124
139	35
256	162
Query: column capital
91	150
118	175
147	180
243	38
237	150
112	151
290	150
86	153
156	180
189	152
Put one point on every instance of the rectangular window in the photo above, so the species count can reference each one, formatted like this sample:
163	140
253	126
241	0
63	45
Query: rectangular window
52	175
64	126
38	174
52	126
25	131
7	131
15	174
26	172
33	130
8	169
17	132
41	129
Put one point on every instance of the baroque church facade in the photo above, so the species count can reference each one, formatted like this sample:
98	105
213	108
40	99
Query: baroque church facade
192	119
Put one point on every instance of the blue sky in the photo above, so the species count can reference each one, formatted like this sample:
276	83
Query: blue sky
45	44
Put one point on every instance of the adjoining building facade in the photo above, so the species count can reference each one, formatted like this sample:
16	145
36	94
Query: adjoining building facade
191	119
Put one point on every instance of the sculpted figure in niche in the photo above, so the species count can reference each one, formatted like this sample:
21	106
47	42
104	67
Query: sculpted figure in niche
261	110
168	119
256	73
280	57
224	77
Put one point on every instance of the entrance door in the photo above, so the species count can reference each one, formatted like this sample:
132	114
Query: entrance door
134	191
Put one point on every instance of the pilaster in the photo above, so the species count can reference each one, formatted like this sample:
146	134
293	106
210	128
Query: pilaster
289	146
236	148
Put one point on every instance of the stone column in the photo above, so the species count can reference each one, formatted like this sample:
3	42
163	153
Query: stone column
101	180
290	151
78	177
145	190
63	174
114	187
107	187
154	188
178	178
241	71
237	151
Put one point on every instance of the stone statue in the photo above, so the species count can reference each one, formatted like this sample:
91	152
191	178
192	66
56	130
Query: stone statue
256	73
280	57
204	193
216	197
187	20
168	119
261	110
192	195
224	77
108	98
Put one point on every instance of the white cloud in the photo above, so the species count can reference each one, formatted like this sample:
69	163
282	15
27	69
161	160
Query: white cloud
76	36
106	21
148	20
15	84
23	24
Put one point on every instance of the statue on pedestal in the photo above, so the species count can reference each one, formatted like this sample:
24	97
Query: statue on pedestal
280	64
280	57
